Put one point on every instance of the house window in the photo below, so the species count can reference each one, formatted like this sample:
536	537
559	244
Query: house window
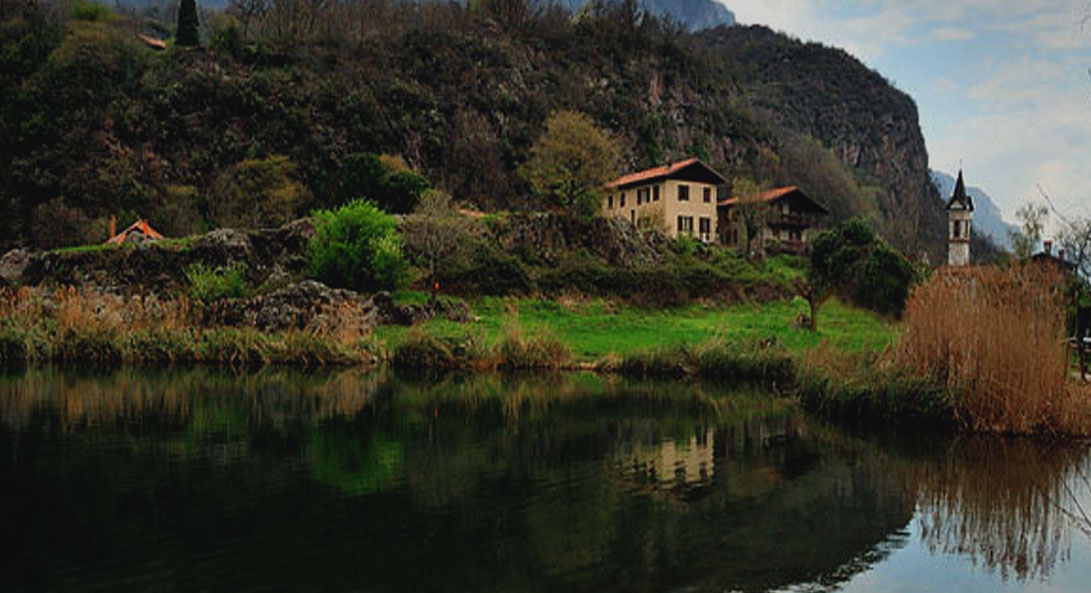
655	194
610	202
705	228
957	230
685	225
632	217
708	194
622	199
683	194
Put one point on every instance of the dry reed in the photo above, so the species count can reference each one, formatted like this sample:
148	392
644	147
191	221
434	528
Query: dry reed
88	326
996	338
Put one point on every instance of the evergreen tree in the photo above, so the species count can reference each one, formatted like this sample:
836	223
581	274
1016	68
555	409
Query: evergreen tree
187	24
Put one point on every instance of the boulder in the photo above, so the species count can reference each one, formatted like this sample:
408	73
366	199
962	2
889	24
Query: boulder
224	245
13	266
303	305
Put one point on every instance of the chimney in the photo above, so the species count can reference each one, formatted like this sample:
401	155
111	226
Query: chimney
113	227
1047	246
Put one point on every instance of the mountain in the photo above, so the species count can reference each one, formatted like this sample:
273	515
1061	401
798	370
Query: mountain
97	124
987	216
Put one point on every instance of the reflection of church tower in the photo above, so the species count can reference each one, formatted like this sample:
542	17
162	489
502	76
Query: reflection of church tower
960	209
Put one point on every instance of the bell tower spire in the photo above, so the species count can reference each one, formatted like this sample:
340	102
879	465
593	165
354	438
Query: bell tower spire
960	210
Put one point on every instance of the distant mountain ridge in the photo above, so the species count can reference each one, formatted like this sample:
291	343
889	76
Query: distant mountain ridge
987	216
696	15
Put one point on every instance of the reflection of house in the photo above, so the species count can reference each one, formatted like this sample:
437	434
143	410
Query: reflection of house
679	198
788	212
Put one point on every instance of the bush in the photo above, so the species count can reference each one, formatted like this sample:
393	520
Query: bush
861	268
538	352
210	284
357	246
487	271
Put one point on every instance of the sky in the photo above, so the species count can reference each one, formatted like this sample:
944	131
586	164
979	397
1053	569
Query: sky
1003	87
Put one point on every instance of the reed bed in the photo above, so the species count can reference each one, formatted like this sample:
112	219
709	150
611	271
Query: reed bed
996	337
74	326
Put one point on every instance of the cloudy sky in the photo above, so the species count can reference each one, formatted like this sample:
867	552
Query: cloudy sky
1002	86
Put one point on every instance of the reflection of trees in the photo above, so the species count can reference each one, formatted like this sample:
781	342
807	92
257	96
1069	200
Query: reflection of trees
1006	504
560	482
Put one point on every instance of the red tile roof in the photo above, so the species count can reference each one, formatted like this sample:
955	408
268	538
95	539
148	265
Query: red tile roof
765	196
152	41
653	173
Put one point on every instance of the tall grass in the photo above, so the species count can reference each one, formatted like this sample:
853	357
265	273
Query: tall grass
996	337
90	327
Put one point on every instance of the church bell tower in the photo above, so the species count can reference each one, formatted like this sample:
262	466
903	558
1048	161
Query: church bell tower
960	209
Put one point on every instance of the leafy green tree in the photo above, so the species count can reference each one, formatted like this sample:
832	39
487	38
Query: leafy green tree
571	163
187	35
357	246
387	181
852	261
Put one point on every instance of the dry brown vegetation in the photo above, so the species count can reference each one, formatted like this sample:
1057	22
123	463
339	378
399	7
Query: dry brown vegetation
996	338
88	326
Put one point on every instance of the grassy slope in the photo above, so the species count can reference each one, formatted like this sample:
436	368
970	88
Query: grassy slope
597	328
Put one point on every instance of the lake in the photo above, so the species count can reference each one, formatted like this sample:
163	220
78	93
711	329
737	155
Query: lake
280	480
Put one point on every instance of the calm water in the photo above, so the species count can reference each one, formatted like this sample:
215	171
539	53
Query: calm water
210	481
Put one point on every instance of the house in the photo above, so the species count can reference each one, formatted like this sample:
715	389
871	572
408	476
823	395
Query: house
789	214
679	198
139	231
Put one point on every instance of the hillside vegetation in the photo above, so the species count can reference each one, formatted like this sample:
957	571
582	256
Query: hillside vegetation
263	121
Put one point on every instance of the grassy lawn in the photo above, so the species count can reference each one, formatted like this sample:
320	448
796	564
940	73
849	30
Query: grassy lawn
596	328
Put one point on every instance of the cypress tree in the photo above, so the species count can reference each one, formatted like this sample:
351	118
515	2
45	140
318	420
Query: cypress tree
187	24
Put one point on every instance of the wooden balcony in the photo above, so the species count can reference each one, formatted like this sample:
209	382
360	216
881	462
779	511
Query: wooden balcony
792	220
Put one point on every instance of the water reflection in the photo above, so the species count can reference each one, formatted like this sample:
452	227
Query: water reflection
207	480
1008	505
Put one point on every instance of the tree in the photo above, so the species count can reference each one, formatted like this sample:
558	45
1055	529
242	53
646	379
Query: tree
1025	240
385	180
571	163
187	35
752	215
852	261
436	231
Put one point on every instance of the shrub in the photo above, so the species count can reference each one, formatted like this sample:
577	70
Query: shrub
357	246
540	351
857	265
487	270
210	284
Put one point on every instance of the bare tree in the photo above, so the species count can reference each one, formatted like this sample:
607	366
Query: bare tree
753	214
1025	240
436	231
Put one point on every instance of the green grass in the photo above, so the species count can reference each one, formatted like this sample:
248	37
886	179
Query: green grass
597	328
96	247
